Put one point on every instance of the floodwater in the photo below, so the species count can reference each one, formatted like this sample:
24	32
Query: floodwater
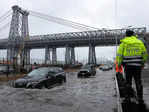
95	94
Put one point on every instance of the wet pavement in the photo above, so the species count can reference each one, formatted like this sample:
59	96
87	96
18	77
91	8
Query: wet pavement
95	94
145	79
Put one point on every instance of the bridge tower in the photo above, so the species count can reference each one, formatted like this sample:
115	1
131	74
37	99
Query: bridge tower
17	35
48	55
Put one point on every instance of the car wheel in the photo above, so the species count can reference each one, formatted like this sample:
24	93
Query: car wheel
94	74
87	76
41	86
48	86
59	80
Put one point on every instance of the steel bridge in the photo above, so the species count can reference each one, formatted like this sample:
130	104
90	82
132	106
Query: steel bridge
20	42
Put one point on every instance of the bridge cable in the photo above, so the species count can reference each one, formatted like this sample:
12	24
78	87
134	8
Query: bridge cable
4	26
5	16
67	21
62	21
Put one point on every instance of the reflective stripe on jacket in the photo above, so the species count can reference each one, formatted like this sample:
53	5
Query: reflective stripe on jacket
132	60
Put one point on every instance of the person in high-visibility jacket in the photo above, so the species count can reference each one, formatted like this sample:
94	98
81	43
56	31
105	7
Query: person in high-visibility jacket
132	54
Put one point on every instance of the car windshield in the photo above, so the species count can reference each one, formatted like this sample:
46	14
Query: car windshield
41	72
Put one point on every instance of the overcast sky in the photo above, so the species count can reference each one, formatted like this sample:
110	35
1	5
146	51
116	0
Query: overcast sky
96	13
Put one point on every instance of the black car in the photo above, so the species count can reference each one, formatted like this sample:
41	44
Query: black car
106	67
87	71
42	77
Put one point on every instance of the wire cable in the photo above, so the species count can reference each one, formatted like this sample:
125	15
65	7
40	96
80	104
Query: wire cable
4	26
67	21
62	21
5	16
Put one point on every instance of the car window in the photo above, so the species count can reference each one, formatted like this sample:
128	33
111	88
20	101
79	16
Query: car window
54	71
51	73
39	72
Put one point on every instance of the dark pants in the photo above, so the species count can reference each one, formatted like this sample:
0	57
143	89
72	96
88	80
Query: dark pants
134	72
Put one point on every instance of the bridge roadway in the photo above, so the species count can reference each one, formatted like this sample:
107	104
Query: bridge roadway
75	39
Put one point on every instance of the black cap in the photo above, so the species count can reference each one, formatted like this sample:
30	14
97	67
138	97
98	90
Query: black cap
129	33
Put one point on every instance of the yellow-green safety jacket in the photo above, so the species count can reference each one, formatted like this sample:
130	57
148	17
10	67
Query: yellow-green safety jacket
131	52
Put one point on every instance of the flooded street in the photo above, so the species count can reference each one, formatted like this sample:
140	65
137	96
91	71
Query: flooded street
145	79
95	94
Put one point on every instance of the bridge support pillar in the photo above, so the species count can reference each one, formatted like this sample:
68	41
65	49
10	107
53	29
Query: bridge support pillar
92	55
67	55
47	55
26	56
11	53
73	55
70	55
54	56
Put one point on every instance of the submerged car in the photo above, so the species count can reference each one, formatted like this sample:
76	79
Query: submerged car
42	77
87	71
